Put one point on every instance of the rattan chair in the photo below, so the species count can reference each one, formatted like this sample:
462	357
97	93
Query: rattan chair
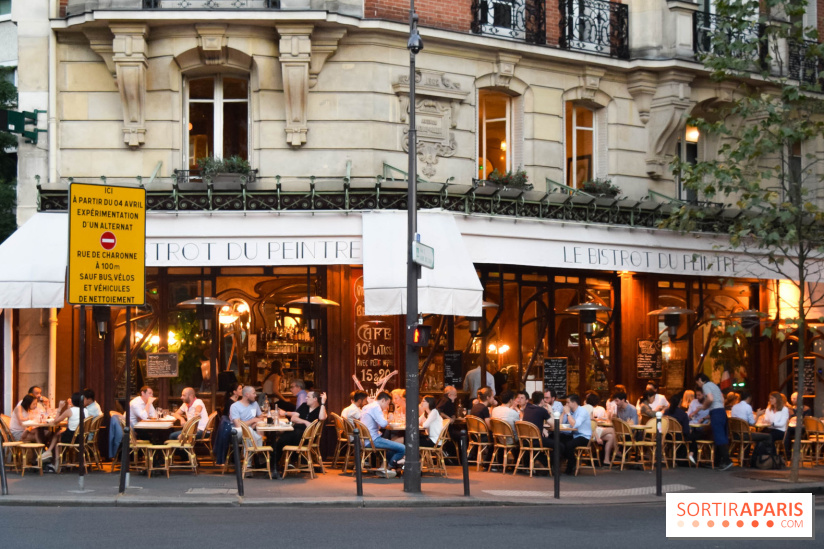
649	436
432	457
208	431
342	442
10	446
529	438
34	449
626	444
349	432
184	444
250	449
504	441
368	449
68	452
136	462
304	452
317	459
479	438
589	451
93	456
815	437
740	439
674	440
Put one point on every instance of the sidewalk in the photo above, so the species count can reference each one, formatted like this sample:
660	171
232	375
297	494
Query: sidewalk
337	490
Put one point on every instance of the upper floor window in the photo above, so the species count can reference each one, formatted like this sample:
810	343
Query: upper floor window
218	117
580	144
686	148
495	133
5	9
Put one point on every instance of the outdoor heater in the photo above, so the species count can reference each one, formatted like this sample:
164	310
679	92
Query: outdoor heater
589	314
749	319
672	318
205	309
313	301
475	322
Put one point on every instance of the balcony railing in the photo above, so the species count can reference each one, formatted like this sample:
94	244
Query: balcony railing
741	39
517	19
800	65
210	4
595	26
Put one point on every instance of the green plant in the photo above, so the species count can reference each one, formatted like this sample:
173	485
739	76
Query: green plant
210	166
236	164
601	187
516	180
191	346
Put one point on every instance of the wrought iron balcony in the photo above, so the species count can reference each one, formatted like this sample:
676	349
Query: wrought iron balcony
517	19
210	4
712	32
595	26
801	66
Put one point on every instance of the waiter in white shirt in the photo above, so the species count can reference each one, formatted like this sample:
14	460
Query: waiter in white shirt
140	407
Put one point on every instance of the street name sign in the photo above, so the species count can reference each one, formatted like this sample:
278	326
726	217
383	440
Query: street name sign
423	255
107	245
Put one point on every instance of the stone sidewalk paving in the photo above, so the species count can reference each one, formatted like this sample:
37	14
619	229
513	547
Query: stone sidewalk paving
335	489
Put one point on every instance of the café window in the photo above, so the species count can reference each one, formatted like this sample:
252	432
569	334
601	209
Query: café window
580	144
218	117
500	131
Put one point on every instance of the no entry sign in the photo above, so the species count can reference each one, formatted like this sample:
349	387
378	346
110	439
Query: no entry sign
107	245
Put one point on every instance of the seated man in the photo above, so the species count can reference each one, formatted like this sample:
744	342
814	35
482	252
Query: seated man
537	415
551	403
743	410
140	407
481	408
353	411
623	410
372	418
578	418
696	411
90	404
506	410
447	406
248	411
191	407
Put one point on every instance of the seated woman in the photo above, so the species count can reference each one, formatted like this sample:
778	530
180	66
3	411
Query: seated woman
689	396
70	412
233	395
313	409
20	414
431	420
776	416
604	436
677	411
645	404
731	400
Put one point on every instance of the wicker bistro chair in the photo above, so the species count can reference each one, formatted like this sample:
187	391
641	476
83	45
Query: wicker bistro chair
504	441
317	459
208	432
68	452
674	440
625	443
815	438
740	439
479	439
93	456
10	446
368	450
250	449
303	450
342	442
589	451
649	436
529	438
349	432
136	462
433	457
185	444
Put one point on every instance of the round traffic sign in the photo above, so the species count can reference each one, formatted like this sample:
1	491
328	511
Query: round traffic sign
108	240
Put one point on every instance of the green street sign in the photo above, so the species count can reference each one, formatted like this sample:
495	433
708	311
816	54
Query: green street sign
16	122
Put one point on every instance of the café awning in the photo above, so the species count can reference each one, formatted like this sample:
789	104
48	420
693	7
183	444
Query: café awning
451	288
33	263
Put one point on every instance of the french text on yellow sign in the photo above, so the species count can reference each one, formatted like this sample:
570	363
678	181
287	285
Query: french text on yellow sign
107	245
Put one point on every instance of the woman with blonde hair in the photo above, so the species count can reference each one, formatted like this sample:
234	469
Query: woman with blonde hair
689	396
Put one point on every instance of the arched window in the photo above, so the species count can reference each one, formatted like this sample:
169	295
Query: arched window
500	133
217	110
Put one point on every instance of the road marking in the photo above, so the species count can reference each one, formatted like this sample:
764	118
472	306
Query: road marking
643	491
211	491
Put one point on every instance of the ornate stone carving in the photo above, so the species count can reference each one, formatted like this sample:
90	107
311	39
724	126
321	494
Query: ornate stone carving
505	68
590	81
295	57
437	101
641	86
129	47
666	117
324	45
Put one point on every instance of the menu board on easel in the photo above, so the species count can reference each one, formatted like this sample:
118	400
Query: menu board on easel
555	375
648	359
809	375
452	368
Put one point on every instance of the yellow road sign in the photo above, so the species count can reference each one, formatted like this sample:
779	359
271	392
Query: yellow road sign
107	245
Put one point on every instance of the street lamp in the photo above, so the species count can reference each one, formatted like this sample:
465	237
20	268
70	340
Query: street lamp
412	475
672	318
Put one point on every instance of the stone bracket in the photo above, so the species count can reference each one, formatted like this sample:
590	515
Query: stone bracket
667	110
212	43
505	68
295	58
641	86
324	45
130	63
100	41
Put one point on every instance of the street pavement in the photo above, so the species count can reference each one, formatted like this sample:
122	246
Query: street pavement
334	489
624	526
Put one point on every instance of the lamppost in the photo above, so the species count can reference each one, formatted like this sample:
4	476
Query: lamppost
412	469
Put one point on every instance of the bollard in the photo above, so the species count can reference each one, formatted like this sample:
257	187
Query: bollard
465	462
358	472
5	485
658	456
556	454
238	469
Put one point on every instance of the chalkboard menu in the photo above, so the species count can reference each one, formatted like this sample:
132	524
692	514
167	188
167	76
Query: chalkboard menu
555	375
161	365
375	362
648	362
809	375
453	368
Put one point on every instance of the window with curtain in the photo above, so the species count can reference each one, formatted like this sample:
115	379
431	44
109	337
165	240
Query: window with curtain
580	144
494	133
218	117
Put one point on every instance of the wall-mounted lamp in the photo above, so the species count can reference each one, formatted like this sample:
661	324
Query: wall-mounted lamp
589	314
691	135
672	318
101	317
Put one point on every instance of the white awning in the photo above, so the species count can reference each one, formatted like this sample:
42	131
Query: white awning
33	263
451	288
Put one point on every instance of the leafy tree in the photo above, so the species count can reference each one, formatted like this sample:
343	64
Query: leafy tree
8	161
763	52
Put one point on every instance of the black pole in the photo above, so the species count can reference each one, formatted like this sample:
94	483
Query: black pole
358	471
412	469
465	462
125	445
556	455
658	470
81	461
238	469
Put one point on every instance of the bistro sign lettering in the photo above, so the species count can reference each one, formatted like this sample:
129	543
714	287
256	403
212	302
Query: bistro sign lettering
253	251
625	259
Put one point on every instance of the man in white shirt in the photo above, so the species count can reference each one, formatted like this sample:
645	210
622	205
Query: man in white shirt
659	403
373	419
743	410
353	411
578	418
506	410
247	410
140	407
696	411
91	405
191	407
472	381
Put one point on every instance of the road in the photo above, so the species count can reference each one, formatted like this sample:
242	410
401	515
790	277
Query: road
579	527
